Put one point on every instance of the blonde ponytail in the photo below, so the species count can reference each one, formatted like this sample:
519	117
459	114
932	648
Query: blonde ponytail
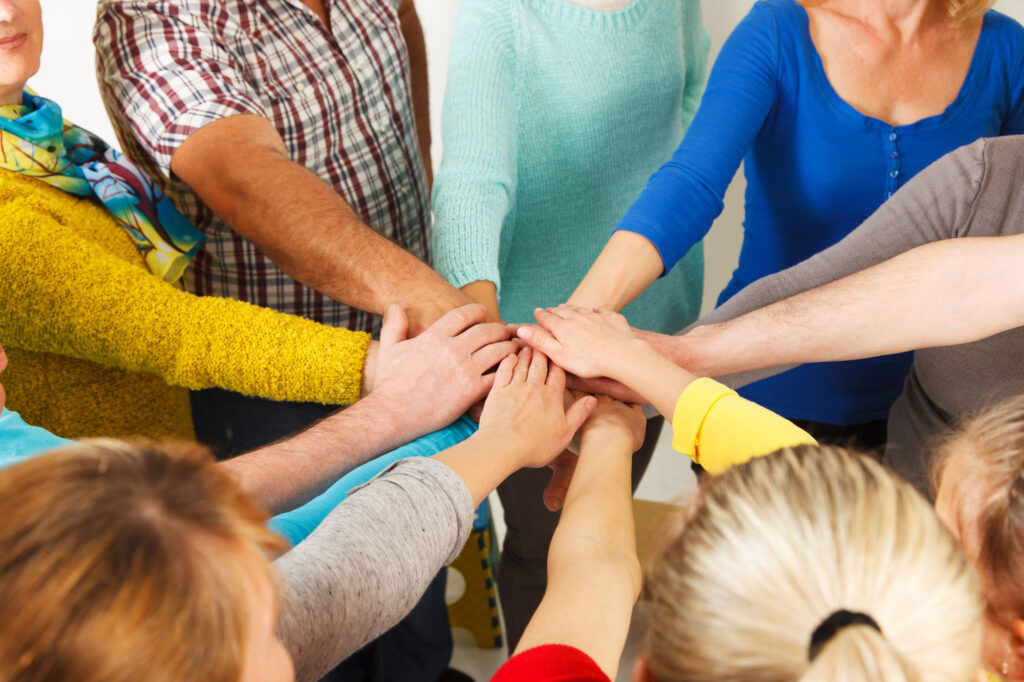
778	545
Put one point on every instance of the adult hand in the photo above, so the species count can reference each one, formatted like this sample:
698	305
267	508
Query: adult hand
607	387
525	408
434	378
611	421
587	343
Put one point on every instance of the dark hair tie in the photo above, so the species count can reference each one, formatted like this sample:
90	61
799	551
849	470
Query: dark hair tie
833	624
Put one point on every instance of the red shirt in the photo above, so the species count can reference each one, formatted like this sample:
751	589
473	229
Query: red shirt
553	663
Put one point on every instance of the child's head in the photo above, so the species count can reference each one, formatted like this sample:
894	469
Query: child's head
979	481
779	547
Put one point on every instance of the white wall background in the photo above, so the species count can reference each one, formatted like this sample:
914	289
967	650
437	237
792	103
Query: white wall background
67	75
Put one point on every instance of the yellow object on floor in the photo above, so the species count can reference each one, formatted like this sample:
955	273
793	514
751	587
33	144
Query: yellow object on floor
477	609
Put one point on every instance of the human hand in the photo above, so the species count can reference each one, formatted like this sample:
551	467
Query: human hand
525	409
610	421
586	343
434	378
607	387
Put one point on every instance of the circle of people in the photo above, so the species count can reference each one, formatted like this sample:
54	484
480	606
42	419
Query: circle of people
854	407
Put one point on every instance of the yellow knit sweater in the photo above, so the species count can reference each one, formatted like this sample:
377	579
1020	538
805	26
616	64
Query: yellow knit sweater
100	347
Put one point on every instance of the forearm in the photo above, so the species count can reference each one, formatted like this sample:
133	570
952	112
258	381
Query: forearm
628	264
322	243
485	293
367	564
593	570
658	379
935	205
482	463
941	294
286	474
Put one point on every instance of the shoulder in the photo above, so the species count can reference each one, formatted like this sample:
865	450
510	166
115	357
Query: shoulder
551	662
1005	34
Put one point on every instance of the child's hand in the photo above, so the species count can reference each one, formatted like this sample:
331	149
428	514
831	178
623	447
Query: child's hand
587	343
612	419
525	408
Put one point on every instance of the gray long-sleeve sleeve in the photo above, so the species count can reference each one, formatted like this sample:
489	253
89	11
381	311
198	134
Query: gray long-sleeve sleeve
936	204
367	565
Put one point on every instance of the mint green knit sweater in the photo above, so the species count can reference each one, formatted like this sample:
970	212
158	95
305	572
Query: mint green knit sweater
554	118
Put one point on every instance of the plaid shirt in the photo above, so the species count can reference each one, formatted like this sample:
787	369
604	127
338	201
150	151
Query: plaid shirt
340	100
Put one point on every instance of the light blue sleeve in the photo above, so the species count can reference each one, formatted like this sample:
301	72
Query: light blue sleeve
683	198
474	192
19	441
297	524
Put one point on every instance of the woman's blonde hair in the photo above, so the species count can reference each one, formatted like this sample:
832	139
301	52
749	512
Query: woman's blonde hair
126	562
990	493
777	545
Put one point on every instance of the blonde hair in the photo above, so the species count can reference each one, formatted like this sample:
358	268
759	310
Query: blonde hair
993	520
778	545
122	562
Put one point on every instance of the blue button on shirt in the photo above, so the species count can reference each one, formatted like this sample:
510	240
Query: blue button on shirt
816	168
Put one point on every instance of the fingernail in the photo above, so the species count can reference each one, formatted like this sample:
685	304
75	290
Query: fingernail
525	333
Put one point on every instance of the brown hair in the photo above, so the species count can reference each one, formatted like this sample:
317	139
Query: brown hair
778	544
993	520
121	562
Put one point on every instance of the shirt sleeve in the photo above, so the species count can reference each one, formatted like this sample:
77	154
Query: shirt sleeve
297	524
367	565
940	202
164	75
718	429
550	663
100	308
474	192
683	198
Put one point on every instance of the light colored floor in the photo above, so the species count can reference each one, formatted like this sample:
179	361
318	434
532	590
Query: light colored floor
668	479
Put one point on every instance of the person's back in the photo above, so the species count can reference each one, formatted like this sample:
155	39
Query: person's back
813	564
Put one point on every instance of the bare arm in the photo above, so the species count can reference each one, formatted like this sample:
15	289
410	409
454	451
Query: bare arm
486	294
421	385
302	224
942	294
627	265
593	570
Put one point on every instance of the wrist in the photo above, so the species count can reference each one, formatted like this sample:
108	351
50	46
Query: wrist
370	367
609	438
501	448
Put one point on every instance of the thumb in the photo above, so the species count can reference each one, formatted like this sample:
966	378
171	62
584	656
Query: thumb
579	411
562	468
395	328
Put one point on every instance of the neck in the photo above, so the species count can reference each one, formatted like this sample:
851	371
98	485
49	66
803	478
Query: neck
13	96
907	18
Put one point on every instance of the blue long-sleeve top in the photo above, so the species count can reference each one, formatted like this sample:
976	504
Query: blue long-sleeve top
815	168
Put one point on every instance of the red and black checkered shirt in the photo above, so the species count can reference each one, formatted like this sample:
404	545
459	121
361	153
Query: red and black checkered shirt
340	100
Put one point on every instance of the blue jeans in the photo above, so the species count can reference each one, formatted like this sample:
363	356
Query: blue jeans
419	648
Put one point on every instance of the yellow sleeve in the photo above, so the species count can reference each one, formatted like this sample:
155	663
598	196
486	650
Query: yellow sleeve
61	293
719	429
